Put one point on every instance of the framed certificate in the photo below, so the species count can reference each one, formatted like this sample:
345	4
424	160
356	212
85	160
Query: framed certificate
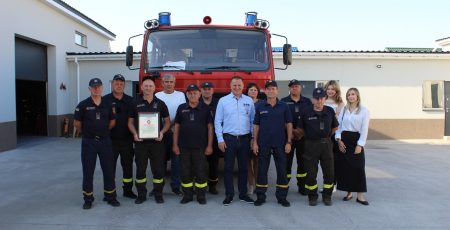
148	125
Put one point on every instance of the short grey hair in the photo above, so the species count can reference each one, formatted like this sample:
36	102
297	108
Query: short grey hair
168	76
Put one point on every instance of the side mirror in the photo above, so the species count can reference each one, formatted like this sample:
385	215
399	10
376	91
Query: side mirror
129	56
287	54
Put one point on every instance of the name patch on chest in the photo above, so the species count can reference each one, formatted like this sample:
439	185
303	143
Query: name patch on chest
185	111
264	112
140	105
312	118
90	108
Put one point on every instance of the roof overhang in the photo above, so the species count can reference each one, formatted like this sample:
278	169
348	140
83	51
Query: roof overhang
443	42
364	55
81	19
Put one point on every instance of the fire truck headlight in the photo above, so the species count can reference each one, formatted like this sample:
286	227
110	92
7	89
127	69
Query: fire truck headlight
151	24
263	24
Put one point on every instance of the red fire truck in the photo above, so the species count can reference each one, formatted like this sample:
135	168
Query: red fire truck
208	52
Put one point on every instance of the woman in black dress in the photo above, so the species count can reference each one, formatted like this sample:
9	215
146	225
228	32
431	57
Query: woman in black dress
351	137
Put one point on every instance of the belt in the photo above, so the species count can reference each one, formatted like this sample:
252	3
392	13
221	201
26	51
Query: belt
238	136
97	138
322	140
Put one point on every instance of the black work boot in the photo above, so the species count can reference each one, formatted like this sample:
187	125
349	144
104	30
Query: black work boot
260	199
87	205
141	198
212	187
128	192
188	195
327	200
201	198
312	200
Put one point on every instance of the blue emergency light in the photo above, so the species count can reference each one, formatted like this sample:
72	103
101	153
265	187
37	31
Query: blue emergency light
164	19
250	18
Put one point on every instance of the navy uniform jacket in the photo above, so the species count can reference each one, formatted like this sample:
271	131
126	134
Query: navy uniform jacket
94	119
317	125
272	124
122	109
212	106
296	107
142	105
193	125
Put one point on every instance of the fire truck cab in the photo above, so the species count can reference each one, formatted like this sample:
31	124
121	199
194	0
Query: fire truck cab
213	53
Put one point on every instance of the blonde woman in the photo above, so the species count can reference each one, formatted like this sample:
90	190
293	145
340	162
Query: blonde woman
351	137
333	98
253	92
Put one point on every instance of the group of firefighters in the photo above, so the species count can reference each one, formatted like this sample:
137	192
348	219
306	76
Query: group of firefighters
193	133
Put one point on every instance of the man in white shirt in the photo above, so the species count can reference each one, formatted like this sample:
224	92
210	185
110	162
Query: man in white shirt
173	99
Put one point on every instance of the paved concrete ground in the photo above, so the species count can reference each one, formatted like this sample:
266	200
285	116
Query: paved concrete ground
40	187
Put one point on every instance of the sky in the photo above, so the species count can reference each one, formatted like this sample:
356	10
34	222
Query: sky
309	25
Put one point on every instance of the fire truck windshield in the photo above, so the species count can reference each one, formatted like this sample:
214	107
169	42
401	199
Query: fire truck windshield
209	49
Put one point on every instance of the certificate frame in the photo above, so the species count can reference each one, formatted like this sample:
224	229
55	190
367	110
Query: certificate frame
148	123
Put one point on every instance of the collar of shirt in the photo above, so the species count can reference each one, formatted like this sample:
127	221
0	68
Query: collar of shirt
266	103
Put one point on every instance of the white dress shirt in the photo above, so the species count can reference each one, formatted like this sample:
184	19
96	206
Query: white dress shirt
354	122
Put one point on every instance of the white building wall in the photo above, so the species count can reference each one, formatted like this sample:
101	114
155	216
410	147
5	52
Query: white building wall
38	21
103	69
393	91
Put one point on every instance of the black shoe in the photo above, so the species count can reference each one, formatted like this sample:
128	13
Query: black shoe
140	200
259	202
327	200
177	191
129	194
87	205
347	198
159	199
284	203
247	199
186	200
312	201
201	200
227	200
363	202
114	203
213	190
151	193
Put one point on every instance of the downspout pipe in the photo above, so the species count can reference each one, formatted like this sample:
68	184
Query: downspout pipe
78	79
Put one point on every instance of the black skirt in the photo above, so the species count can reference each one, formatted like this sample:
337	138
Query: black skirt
350	167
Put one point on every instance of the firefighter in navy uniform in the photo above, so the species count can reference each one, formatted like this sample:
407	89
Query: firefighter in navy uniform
192	140
149	149
296	102
207	98
317	124
122	140
272	134
94	118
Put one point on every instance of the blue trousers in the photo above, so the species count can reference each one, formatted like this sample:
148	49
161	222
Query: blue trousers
175	165
90	148
279	157
240	148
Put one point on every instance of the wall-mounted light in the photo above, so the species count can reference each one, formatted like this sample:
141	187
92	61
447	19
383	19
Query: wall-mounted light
378	66
62	87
